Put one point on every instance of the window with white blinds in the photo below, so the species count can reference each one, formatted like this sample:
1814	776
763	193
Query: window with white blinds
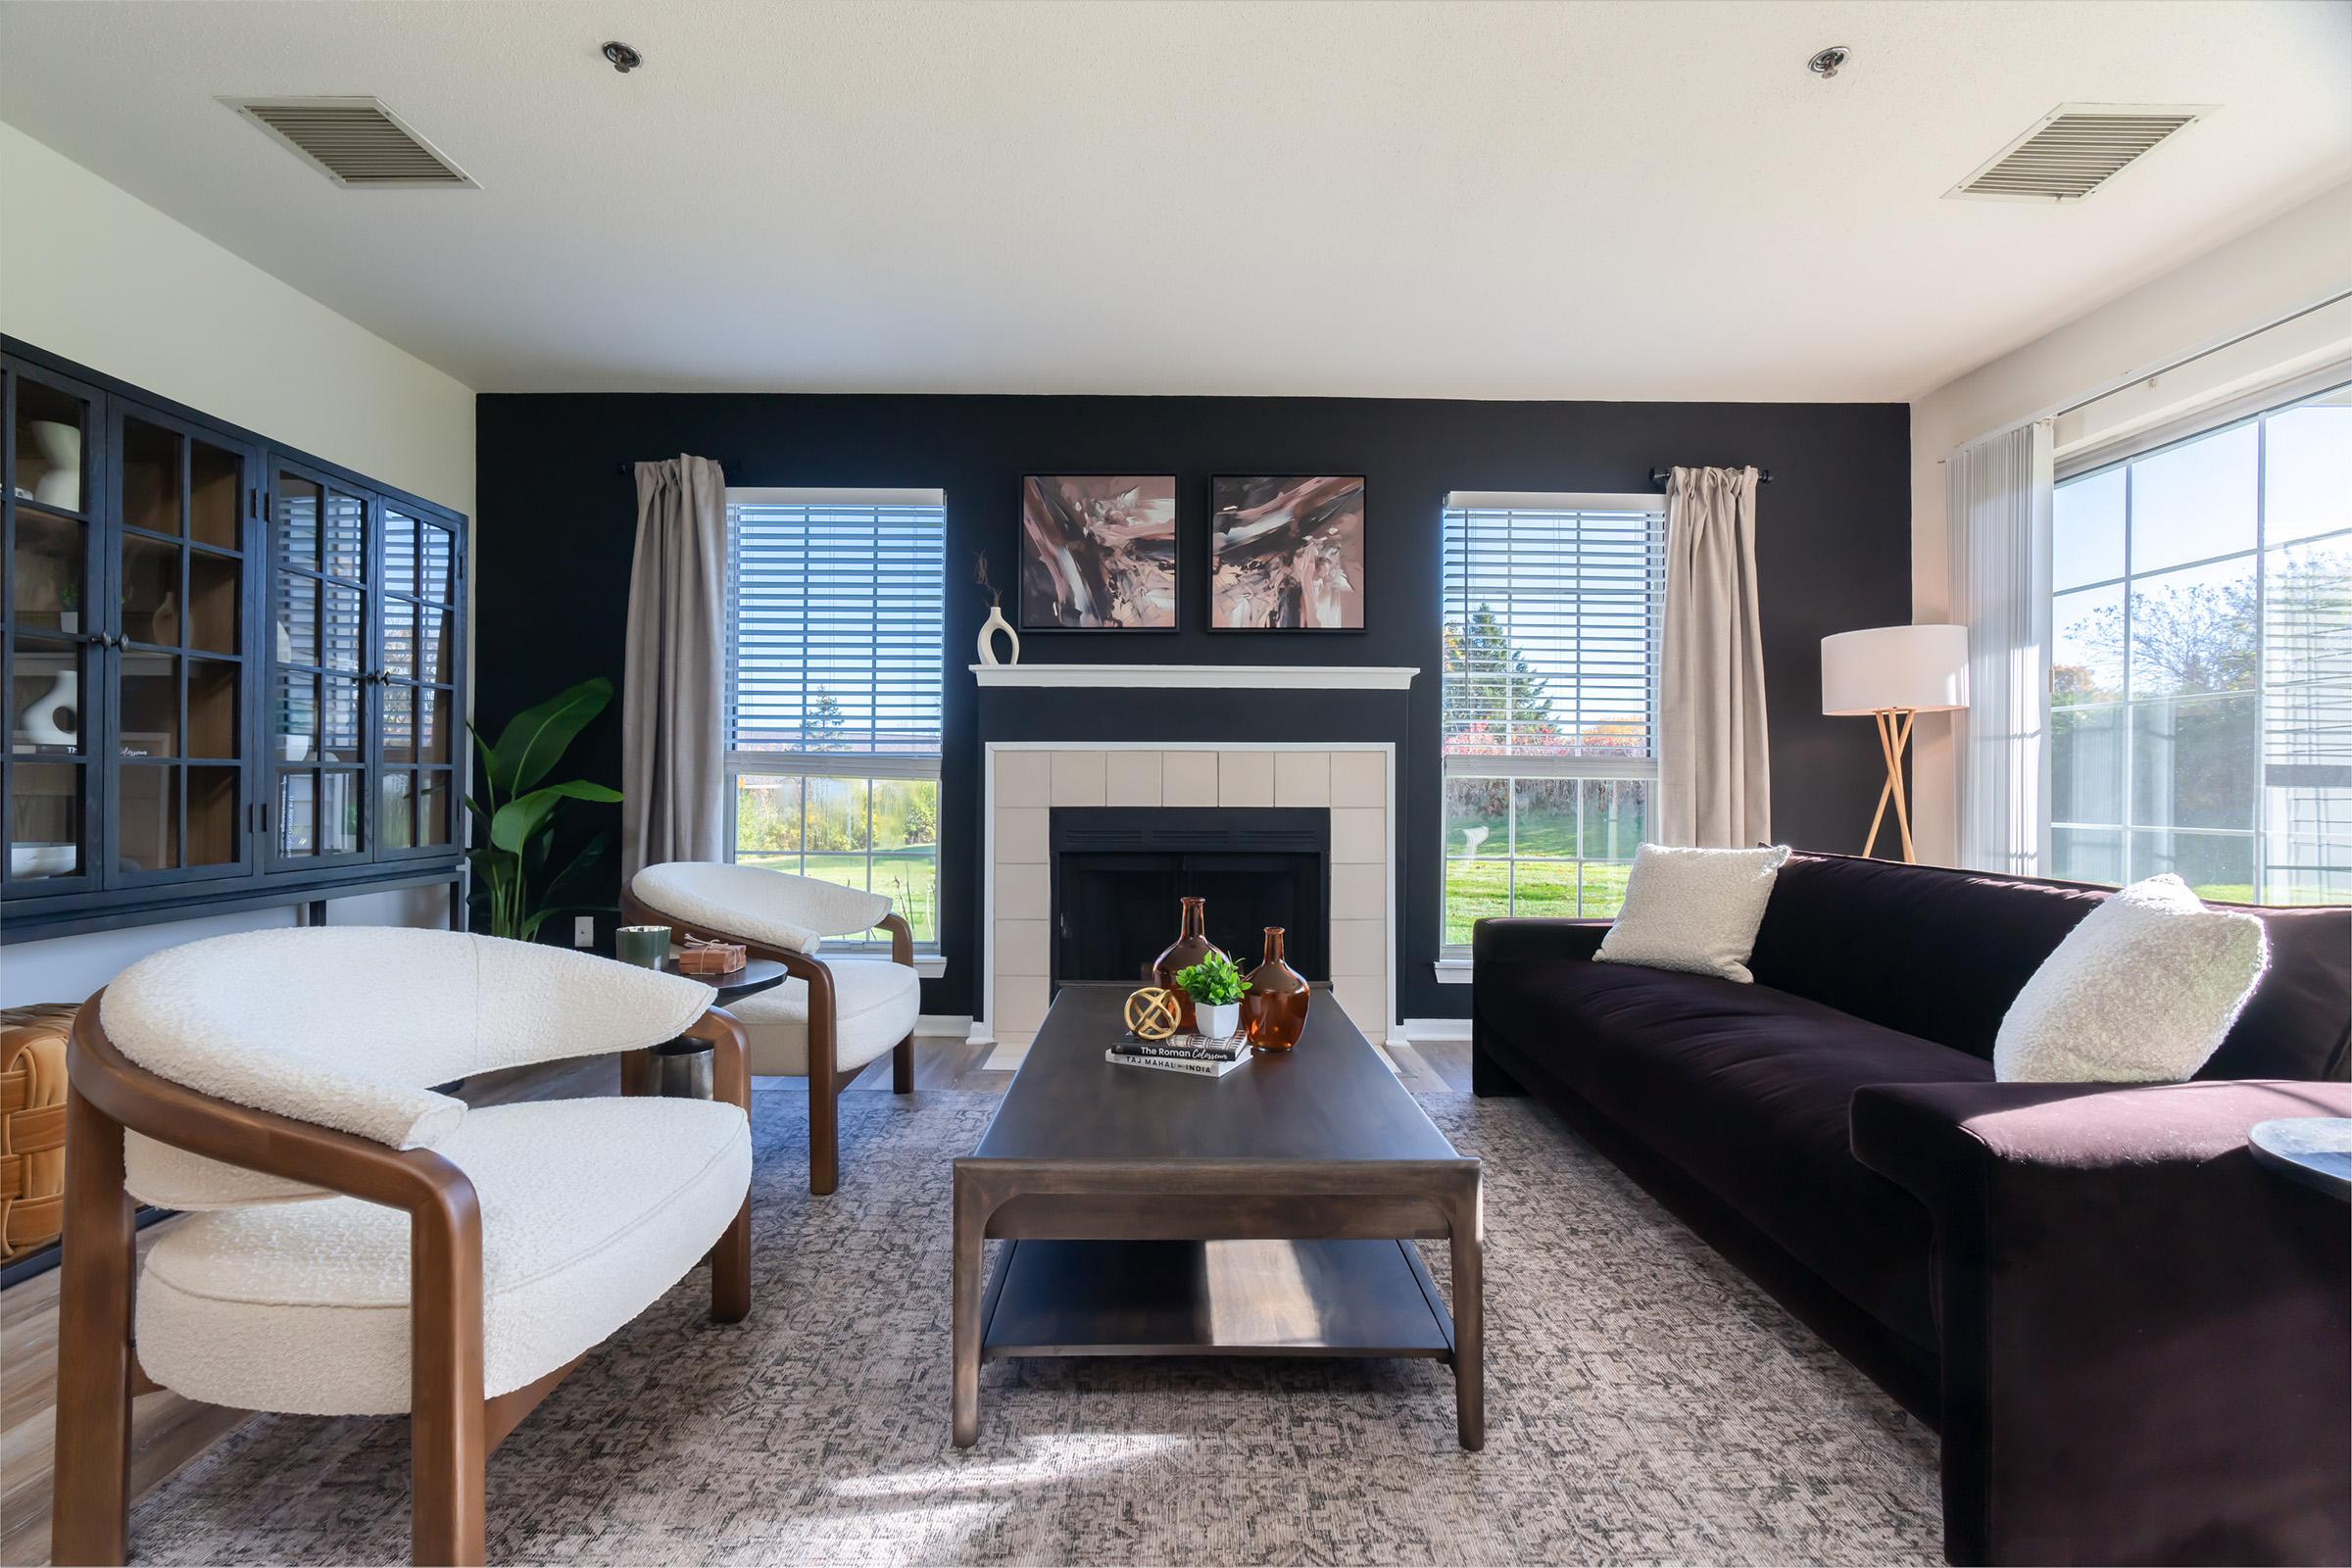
835	639
836	613
1553	606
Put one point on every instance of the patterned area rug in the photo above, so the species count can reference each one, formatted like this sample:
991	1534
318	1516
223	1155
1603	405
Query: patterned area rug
1644	1404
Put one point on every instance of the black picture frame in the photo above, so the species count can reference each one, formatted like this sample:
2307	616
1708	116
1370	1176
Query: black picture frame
1217	505
1030	568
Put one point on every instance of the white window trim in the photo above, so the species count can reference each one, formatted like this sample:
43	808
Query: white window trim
929	962
1453	963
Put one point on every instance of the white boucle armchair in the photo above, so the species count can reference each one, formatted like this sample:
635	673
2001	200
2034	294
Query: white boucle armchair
358	1244
831	1016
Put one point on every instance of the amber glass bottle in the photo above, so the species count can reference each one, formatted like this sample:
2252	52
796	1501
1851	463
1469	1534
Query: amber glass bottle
1274	1007
1191	946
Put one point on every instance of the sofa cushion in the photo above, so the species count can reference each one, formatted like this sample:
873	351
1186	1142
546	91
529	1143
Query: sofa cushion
1746	1090
1942	953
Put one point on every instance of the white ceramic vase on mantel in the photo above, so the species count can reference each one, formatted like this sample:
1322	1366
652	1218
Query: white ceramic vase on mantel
996	622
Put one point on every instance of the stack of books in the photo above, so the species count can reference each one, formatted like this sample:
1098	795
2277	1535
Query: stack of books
1186	1053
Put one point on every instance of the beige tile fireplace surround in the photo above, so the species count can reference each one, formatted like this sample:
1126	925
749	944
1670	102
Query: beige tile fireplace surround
1356	781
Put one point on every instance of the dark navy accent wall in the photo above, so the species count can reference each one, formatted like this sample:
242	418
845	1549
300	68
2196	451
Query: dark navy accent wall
555	525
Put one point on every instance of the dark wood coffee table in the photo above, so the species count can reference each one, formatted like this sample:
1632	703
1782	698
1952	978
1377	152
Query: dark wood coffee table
1268	1213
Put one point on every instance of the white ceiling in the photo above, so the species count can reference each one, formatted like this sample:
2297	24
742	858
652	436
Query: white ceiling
1589	200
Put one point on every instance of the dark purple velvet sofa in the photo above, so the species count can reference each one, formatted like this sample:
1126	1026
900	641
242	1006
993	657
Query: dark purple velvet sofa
2135	1342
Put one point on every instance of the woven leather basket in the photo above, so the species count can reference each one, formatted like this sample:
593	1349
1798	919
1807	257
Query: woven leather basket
32	1126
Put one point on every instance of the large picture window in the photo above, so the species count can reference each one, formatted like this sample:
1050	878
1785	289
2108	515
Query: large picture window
834	614
2201	669
1553	606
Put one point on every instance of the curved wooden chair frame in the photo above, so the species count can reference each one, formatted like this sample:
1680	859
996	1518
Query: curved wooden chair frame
453	1426
825	1082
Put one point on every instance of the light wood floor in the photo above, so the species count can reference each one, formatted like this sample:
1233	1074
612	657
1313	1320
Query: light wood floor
168	1431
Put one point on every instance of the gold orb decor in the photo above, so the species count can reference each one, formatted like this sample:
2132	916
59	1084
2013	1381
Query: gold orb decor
1152	1013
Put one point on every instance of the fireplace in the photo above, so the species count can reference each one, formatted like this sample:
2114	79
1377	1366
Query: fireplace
1117	873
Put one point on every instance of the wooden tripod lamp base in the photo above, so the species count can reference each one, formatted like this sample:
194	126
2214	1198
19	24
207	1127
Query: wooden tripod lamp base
1895	675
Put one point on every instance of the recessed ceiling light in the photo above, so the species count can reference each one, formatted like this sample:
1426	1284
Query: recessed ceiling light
1825	64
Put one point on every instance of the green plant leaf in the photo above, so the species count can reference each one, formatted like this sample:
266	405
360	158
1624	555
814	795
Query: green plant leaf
518	819
536	738
574	882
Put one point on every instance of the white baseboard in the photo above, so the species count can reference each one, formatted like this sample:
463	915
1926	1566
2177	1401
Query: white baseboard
941	1026
1006	1057
1420	1029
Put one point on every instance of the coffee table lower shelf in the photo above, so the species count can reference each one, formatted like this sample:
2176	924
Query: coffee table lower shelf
1370	1298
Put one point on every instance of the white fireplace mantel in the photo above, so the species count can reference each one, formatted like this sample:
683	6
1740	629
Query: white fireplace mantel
1289	677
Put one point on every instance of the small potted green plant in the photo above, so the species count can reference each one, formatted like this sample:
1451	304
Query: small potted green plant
1216	987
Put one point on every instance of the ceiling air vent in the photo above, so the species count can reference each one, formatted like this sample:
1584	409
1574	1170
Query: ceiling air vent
355	141
2075	149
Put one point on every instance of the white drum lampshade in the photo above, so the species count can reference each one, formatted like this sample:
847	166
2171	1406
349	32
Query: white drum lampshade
1920	669
1893	674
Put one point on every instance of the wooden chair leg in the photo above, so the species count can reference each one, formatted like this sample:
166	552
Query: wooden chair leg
731	1271
824	1101
448	1437
91	1483
901	1065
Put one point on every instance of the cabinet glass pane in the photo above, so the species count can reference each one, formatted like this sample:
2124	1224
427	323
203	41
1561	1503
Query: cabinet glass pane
46	579
436	806
45	820
399	551
296	537
339	719
398	620
394	808
147	822
215	589
344	633
298	813
150	477
346	538
297	619
398	723
216	497
151	592
296	717
51	452
213	710
214	815
44	703
150	705
433	737
439	553
339	812
433	627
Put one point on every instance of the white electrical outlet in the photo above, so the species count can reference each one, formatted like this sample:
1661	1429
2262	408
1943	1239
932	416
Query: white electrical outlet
583	930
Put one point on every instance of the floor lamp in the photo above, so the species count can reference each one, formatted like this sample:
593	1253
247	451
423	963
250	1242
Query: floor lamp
1895	675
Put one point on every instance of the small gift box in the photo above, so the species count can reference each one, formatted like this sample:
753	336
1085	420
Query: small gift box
710	958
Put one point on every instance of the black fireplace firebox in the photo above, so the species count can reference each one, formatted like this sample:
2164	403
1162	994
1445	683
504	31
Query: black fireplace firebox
1118	872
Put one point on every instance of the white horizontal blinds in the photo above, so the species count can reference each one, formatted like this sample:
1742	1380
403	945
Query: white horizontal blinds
836	616
1552	614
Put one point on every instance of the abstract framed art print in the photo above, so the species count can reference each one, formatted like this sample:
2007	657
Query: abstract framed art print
1098	552
1286	553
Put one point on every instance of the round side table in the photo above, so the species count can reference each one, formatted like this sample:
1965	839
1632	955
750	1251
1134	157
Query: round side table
2315	1150
683	1066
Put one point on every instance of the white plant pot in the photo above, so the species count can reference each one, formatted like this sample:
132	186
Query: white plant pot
297	746
996	622
1218	1023
61	448
53	720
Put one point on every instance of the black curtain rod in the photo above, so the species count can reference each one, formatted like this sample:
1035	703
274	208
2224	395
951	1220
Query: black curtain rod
1659	476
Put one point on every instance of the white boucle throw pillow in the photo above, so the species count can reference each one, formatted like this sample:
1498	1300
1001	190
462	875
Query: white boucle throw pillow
1694	909
2141	992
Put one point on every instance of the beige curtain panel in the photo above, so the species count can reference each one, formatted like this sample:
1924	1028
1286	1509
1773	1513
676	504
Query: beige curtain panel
1714	776
673	757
